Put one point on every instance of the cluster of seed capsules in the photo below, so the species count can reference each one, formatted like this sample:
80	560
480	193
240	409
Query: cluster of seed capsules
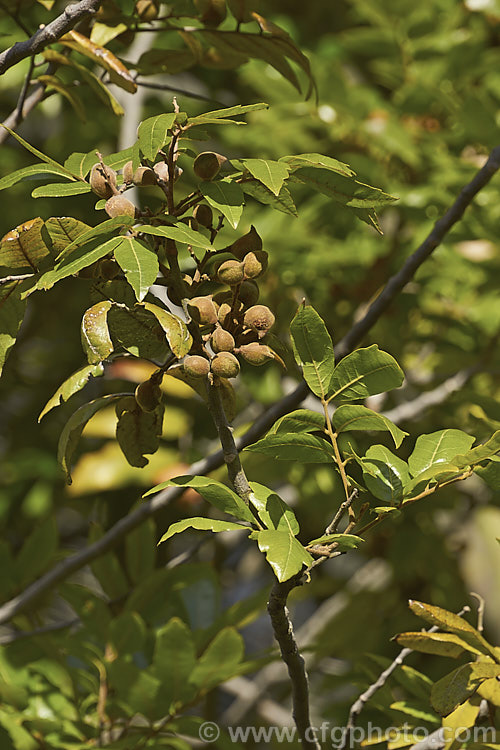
231	323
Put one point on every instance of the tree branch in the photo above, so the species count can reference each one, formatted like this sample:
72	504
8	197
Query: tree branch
48	34
363	699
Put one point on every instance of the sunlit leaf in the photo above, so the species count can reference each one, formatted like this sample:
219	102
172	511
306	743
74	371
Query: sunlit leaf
71	385
153	133
351	417
139	263
273	511
438	447
203	524
227	197
363	373
60	190
176	331
284	553
96	341
216	493
300	420
118	73
294	447
25	246
12	309
313	349
282	202
178	233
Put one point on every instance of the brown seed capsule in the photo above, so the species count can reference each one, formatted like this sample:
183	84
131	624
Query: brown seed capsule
147	10
118	205
225	365
248	293
230	272
162	174
196	366
203	215
102	180
148	395
224	315
255	264
213	12
255	353
221	341
259	318
144	176
128	172
207	165
202	310
249	243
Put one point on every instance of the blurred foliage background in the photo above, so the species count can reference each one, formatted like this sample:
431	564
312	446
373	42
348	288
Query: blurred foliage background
408	95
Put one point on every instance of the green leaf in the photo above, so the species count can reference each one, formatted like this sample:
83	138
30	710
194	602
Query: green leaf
344	541
438	447
300	420
453	623
219	661
385	474
440	472
443	644
227	197
294	447
284	553
239	109
105	227
313	349
480	452
364	373
64	230
34	170
272	174
203	524
415	711
96	341
153	134
12	309
76	261
74	427
68	91
176	331
43	157
140	551
71	385
273	511
319	161
174	658
60	190
457	686
178	233
135	688
282	202
127	633
349	417
216	493
79	163
25	246
137	431
137	330
139	263
347	191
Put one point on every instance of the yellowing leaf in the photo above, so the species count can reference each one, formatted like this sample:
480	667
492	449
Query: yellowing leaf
118	73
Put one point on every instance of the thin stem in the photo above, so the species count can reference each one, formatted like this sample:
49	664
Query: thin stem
338	458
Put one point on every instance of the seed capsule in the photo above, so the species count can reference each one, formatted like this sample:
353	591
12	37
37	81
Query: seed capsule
202	310
196	366
248	293
128	172
255	264
102	180
118	205
225	365
255	353
144	176
259	318
206	166
203	215
230	272
222	341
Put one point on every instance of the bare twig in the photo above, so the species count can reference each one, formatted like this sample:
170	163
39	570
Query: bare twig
332	527
22	96
480	610
283	632
363	699
48	34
